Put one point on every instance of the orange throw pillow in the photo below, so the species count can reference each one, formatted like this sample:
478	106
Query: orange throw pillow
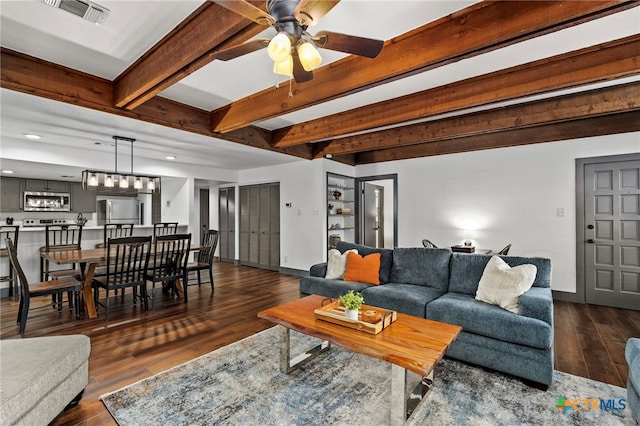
363	269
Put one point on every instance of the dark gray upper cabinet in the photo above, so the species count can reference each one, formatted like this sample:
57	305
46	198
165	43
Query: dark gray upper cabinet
10	194
46	185
82	201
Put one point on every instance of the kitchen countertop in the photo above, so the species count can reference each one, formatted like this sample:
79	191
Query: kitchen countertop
84	228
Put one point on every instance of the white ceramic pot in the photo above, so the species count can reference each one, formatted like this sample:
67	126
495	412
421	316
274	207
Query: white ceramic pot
351	314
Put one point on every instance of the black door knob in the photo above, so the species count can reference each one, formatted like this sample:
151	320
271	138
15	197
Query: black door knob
589	226
590	241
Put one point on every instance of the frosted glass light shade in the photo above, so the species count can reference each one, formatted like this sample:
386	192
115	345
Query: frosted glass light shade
279	47
309	56
137	184
124	182
285	67
151	185
93	180
108	181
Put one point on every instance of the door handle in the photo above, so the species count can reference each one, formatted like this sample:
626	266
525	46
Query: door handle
589	226
590	241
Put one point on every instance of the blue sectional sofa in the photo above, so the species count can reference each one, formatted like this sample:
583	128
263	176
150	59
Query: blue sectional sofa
632	354
440	285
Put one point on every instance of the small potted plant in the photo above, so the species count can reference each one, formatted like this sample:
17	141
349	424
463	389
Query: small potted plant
337	194
331	211
351	301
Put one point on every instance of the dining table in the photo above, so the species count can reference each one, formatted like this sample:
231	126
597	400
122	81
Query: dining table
88	259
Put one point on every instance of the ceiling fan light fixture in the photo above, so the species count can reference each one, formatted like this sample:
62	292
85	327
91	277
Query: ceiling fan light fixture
279	48
309	56
285	67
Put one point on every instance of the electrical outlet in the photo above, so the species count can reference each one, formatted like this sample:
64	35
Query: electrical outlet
560	212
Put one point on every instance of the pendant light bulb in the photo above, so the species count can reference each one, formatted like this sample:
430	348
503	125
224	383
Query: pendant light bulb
124	181
279	47
108	181
151	185
137	184
309	56
93	180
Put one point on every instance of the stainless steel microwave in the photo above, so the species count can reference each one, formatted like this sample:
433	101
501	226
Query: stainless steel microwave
46	202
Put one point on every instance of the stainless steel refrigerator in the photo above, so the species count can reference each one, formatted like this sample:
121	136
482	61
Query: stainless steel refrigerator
119	211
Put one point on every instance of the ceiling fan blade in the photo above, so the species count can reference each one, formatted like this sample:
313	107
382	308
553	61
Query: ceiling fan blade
354	45
300	75
247	10
309	12
241	49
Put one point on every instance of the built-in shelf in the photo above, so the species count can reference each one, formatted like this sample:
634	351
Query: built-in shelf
346	232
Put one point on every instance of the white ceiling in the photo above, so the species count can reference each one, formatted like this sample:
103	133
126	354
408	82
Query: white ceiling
31	27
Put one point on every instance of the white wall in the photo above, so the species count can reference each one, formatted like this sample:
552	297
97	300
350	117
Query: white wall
499	196
177	200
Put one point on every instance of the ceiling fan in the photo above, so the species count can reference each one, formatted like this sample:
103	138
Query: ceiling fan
293	49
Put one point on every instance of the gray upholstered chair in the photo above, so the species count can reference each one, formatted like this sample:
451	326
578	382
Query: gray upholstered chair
632	354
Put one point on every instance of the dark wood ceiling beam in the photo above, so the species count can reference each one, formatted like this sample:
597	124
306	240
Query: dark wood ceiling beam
583	128
36	77
604	101
186	49
466	33
615	59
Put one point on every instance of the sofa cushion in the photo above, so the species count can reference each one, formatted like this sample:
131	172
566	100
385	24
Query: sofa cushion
466	270
490	321
365	269
329	288
386	257
632	354
503	285
421	266
406	298
337	264
33	368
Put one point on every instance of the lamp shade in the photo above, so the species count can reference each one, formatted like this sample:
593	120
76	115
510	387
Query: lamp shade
93	180
151	185
285	67
124	181
108	181
137	184
279	47
309	56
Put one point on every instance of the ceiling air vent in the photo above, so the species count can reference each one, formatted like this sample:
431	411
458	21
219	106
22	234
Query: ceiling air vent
87	10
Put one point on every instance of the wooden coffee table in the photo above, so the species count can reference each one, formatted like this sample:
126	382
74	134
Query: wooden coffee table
409	344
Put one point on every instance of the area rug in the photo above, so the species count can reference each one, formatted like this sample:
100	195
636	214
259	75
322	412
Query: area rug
241	384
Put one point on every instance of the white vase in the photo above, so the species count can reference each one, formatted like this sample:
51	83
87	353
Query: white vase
351	314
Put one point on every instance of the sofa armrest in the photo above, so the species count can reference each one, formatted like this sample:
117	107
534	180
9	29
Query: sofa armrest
537	303
318	270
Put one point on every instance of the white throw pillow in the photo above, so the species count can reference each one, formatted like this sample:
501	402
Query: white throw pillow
503	285
337	264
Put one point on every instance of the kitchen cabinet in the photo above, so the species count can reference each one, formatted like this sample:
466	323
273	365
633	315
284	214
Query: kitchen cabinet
46	185
227	225
10	194
82	201
341	212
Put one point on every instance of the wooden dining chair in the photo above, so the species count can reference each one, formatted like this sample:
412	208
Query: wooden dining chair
60	237
169	260
127	265
204	259
55	288
11	232
115	230
165	228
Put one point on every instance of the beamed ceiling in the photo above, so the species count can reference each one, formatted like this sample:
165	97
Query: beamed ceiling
589	91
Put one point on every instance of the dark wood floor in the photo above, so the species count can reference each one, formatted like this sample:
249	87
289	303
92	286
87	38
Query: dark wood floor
133	345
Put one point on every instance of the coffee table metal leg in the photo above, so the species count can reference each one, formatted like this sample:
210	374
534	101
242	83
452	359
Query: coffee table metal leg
287	365
402	407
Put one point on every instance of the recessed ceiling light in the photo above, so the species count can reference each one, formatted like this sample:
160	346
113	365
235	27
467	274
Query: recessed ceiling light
8	172
170	157
32	136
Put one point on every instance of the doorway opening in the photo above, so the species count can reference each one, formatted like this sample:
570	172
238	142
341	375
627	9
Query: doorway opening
377	207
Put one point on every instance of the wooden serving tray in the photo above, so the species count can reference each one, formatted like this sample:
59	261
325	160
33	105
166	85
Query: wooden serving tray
333	311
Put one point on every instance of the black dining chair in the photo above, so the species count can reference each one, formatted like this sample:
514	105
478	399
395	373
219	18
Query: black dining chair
11	232
60	237
204	259
115	230
169	263
54	288
127	265
165	228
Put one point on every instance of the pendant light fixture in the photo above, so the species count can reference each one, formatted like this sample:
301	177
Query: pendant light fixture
96	178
